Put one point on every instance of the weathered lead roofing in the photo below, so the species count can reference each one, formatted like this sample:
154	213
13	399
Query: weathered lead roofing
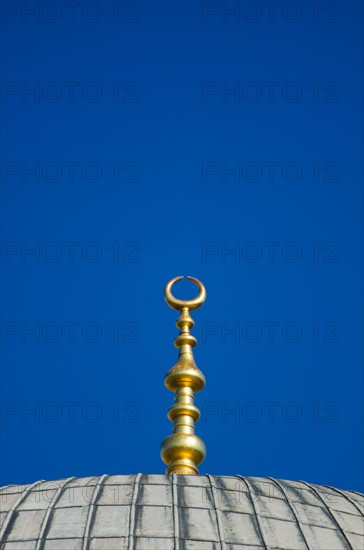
147	512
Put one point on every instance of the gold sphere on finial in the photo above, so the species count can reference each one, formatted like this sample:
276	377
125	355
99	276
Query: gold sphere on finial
183	451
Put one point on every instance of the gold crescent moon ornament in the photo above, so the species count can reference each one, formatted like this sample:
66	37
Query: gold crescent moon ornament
183	451
176	303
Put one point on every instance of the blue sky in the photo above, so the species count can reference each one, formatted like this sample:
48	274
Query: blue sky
145	140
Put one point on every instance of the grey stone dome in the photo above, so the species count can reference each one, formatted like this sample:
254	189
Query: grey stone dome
159	512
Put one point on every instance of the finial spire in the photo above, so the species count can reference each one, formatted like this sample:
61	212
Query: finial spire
183	451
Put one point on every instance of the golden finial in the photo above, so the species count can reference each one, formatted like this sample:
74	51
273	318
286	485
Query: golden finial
183	451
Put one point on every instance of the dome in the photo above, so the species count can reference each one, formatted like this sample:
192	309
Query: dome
184	512
180	510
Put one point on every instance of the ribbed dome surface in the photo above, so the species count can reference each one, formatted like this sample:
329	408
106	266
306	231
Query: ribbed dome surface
156	512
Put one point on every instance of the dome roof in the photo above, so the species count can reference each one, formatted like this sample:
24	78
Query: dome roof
179	512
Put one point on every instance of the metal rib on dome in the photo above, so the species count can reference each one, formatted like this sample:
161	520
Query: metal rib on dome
170	512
